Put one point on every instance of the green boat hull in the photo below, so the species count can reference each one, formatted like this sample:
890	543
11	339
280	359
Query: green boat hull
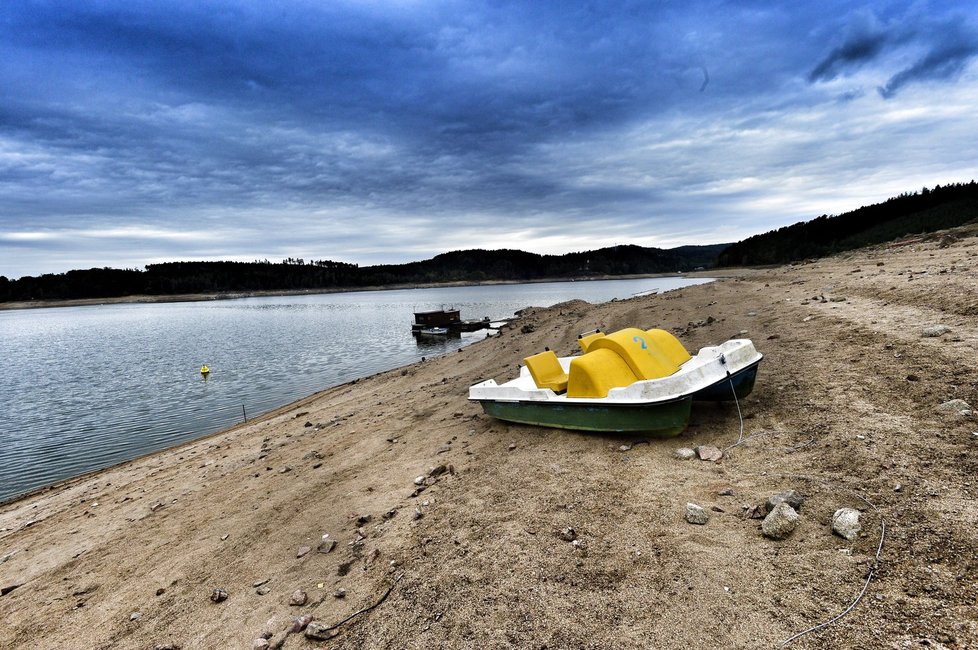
663	419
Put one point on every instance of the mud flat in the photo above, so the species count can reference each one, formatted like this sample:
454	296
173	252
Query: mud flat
847	412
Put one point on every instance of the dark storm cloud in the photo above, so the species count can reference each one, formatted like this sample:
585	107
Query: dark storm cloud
858	49
955	45
385	131
947	45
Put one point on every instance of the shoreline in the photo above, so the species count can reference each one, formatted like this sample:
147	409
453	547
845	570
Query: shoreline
237	295
847	406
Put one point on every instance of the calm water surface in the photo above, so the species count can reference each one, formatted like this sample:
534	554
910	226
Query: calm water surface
83	388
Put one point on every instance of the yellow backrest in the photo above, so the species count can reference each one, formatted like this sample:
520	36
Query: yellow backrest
669	345
595	373
586	340
546	371
636	348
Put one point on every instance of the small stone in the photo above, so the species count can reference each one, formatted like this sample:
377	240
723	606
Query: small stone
443	449
264	590
897	487
706	452
512	446
277	640
299	623
326	546
790	497
319	631
625	448
935	330
845	523
259	644
437	471
219	595
954	406
224	537
339	593
726	492
696	514
417	513
363	519
298	598
303	550
684	453
780	522
568	534
419	480
135	616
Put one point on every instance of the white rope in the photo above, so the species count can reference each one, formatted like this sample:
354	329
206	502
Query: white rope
739	414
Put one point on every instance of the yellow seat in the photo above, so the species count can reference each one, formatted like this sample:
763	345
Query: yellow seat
637	348
546	371
668	345
595	373
586	340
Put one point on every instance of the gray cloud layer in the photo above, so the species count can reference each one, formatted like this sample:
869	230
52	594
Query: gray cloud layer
132	132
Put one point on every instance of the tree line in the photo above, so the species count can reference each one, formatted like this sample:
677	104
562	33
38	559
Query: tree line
908	214
294	274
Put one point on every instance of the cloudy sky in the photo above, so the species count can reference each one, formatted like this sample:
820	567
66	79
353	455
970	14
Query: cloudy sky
376	131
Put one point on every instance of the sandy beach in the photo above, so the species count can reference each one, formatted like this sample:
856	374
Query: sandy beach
847	411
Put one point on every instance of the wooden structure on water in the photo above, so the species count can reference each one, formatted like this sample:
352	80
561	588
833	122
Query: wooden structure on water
447	318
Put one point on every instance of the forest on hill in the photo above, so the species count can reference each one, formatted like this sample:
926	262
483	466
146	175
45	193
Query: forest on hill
296	274
908	214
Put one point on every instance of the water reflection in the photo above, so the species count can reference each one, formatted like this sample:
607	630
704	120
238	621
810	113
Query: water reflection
87	387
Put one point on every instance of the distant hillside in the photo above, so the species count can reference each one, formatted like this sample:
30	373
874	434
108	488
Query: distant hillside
296	274
926	211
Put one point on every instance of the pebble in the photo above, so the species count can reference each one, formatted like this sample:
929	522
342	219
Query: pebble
625	448
419	480
259	644
568	534
512	446
303	550
684	453
696	514
726	492
845	523
790	497
935	330
326	546
954	406
263	590
339	593
319	631
299	623
135	616
706	452
298	598
780	522
219	595
417	513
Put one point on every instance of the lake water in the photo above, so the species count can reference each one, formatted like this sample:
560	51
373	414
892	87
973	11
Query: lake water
82	388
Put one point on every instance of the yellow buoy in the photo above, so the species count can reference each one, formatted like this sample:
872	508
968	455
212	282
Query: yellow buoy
204	370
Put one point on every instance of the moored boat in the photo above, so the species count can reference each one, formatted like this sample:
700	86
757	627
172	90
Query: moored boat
633	380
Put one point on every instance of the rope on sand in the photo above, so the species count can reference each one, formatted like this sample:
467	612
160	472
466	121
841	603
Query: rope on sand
879	548
366	609
869	577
